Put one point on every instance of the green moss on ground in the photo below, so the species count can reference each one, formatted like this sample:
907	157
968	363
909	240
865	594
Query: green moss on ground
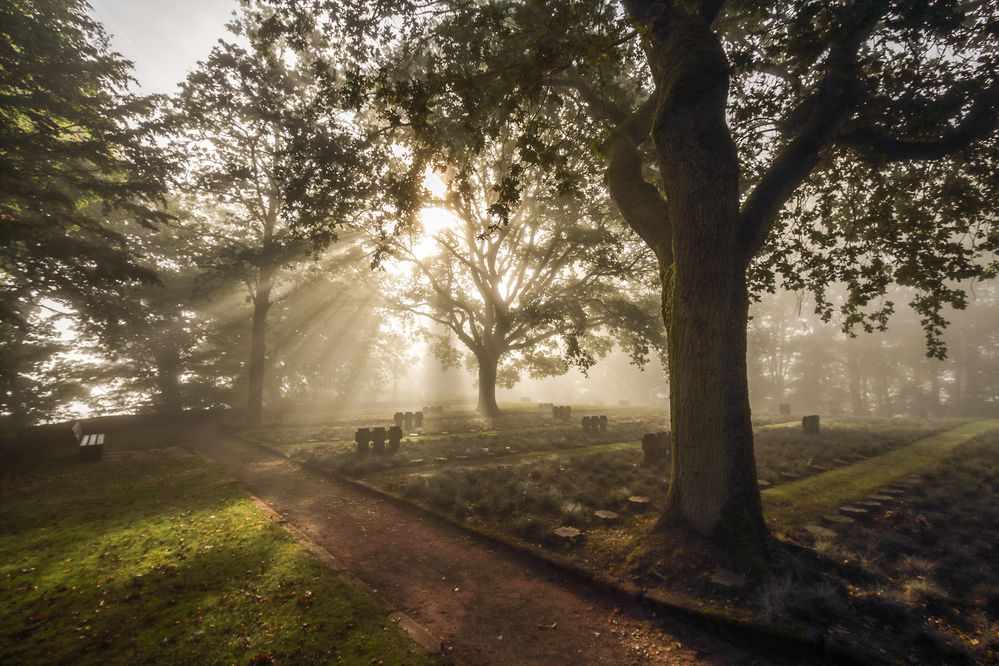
156	559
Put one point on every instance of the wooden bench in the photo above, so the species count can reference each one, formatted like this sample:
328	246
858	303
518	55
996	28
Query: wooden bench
92	447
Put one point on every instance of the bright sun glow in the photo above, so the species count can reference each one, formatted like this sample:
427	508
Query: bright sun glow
433	183
434	221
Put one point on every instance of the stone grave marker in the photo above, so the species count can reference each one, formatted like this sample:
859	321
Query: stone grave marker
587	424
569	535
810	424
607	516
820	532
362	437
729	579
394	439
417	419
407	421
837	519
639	503
397	418
378	437
655	448
602	423
855	512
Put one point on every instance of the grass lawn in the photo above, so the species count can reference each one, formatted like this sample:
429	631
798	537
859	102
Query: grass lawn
798	501
921	570
153	558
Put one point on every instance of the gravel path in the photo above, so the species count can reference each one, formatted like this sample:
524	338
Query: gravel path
489	606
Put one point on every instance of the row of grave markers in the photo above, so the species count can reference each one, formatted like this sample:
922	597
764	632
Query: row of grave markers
562	412
655	448
408	420
595	423
375	438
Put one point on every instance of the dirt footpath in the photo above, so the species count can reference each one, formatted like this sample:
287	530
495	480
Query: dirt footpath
490	607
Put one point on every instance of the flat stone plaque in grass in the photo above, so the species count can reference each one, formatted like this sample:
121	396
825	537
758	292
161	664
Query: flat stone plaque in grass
607	516
880	497
568	535
840	461
837	519
416	461
857	512
789	476
870	504
729	579
639	502
820	532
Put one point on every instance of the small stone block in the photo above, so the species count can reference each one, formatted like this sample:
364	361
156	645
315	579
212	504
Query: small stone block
639	502
854	511
836	519
820	532
810	424
607	516
728	579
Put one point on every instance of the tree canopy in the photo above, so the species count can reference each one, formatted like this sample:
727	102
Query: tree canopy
75	143
554	285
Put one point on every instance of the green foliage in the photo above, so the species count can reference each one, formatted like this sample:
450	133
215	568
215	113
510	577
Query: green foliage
865	130
74	145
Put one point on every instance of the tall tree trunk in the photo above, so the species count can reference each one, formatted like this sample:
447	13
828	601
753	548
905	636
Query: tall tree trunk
488	366
856	380
258	346
713	487
168	379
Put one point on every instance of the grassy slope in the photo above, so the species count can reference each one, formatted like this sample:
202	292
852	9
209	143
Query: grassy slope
158	560
809	498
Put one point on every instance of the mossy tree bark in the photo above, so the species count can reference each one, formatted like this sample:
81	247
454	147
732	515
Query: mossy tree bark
713	486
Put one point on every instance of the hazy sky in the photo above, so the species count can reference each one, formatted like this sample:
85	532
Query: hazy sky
163	38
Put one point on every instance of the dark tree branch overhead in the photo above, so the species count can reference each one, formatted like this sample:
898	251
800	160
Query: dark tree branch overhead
639	201
978	123
835	98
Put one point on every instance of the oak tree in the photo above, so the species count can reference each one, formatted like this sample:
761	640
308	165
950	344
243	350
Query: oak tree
552	286
730	133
